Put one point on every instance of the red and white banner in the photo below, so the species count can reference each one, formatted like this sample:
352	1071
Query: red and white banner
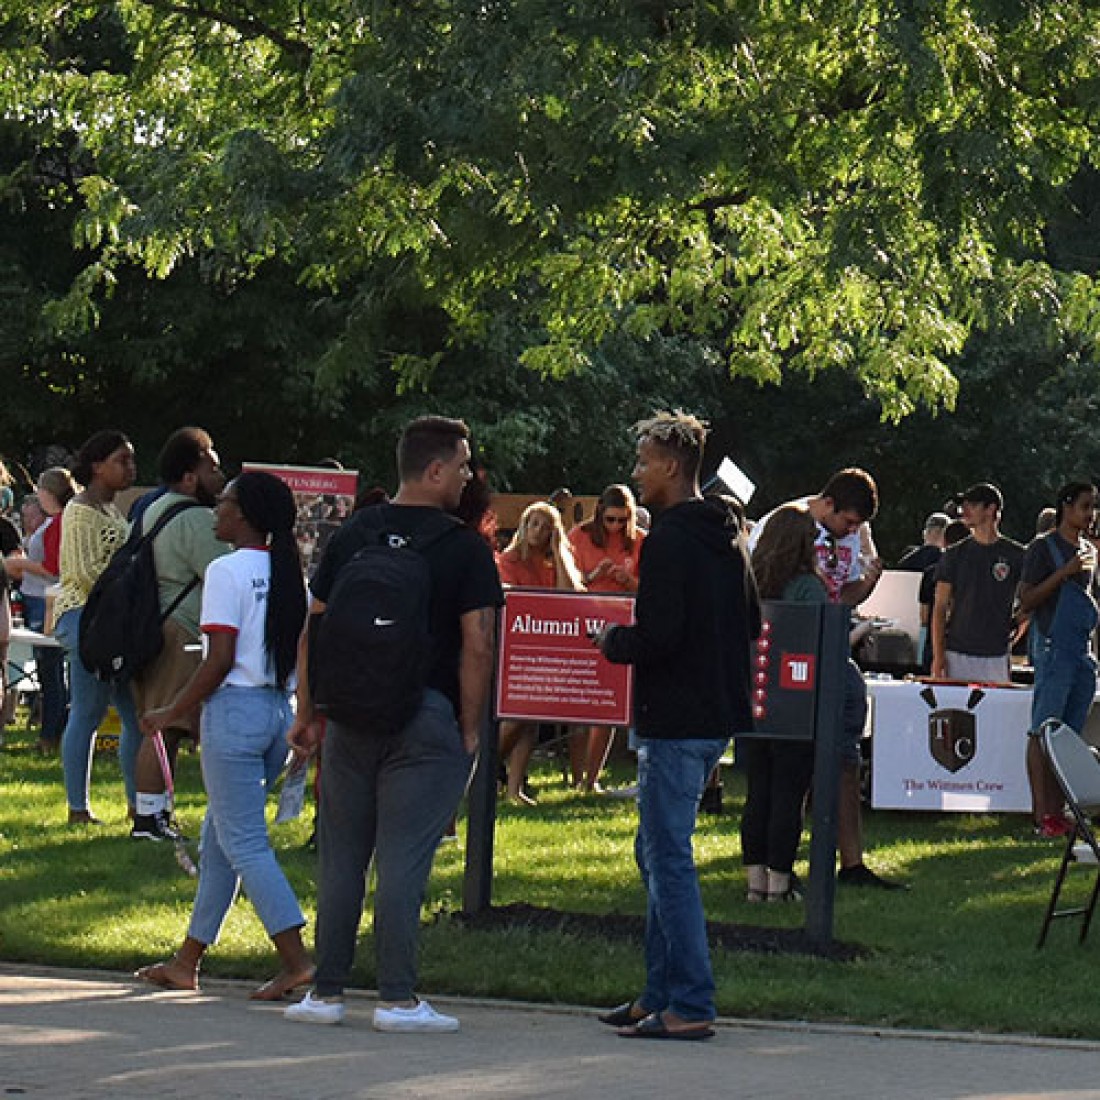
324	498
549	670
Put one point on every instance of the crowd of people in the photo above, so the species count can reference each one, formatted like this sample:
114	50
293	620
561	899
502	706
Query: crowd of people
984	596
240	632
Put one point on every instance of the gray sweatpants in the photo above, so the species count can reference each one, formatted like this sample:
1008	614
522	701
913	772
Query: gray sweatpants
386	798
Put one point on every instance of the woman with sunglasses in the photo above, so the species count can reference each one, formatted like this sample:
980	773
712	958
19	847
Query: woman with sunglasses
606	549
253	608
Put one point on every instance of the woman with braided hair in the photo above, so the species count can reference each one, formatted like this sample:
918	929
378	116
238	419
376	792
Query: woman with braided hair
253	607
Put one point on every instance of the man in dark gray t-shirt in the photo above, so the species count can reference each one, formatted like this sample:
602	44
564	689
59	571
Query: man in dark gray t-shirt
975	592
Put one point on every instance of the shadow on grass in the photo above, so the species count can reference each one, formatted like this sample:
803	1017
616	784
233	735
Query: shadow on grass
630	927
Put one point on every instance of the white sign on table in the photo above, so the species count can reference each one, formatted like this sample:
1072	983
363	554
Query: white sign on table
949	747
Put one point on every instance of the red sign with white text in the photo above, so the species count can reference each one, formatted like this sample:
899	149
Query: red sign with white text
323	498
796	671
549	670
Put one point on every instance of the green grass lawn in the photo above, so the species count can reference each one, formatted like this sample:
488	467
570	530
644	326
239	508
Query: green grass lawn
957	951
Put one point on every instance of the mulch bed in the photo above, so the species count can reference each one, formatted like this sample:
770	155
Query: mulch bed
620	926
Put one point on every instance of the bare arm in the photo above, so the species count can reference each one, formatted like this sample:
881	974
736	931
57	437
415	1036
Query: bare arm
18	566
1033	595
855	592
303	733
475	670
567	575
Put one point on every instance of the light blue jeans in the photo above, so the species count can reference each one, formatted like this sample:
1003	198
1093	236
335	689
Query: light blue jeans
88	701
243	752
671	778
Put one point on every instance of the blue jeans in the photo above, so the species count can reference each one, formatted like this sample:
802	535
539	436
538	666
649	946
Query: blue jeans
243	751
1065	672
49	663
671	778
90	697
1065	682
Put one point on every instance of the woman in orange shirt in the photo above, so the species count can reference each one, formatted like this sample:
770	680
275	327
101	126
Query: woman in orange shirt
539	556
606	549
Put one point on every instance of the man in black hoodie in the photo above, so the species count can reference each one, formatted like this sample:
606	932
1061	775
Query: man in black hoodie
696	615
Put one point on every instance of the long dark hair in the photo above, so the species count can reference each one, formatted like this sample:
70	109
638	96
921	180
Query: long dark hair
614	496
268	504
96	448
785	550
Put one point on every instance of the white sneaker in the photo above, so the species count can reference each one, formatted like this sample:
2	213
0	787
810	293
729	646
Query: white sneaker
313	1010
422	1018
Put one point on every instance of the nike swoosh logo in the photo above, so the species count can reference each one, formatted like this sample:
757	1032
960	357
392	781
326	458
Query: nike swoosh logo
384	622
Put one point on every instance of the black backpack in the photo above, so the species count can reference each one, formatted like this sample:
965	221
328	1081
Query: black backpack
120	626
372	647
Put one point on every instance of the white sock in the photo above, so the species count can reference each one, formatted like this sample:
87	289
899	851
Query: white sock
149	805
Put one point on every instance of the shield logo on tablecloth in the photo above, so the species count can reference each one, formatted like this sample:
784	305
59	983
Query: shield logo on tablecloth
952	738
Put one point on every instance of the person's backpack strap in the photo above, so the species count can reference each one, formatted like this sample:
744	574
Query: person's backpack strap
169	515
1056	554
184	592
1059	560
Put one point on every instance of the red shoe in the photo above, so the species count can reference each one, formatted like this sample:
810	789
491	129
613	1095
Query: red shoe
1054	826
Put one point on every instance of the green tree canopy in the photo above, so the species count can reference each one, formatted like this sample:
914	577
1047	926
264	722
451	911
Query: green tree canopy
845	186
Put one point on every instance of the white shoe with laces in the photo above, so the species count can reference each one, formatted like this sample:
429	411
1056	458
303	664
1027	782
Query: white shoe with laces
314	1010
422	1018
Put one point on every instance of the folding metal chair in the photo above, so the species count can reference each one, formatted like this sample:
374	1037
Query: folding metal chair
1077	769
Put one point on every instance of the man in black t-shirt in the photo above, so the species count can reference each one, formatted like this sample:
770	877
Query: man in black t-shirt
975	592
919	558
390	797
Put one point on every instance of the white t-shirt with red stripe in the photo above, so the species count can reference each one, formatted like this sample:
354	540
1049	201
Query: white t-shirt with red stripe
234	600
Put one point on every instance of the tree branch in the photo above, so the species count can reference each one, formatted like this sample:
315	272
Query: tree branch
246	25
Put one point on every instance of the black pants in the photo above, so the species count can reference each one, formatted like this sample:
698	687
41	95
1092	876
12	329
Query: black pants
778	773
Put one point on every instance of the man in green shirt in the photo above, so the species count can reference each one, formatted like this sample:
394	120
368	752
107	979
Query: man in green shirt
190	469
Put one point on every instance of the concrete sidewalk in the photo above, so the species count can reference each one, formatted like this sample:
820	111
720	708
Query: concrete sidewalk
86	1034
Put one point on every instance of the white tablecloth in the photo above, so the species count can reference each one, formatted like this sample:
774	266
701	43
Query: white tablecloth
20	635
950	748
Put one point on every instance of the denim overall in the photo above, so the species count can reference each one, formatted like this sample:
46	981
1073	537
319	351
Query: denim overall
1065	671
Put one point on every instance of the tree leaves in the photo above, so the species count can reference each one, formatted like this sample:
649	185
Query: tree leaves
857	188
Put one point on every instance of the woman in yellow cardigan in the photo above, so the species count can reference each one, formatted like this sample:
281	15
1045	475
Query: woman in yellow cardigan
92	529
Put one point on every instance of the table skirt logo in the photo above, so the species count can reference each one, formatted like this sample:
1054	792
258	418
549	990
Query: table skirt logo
952	733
